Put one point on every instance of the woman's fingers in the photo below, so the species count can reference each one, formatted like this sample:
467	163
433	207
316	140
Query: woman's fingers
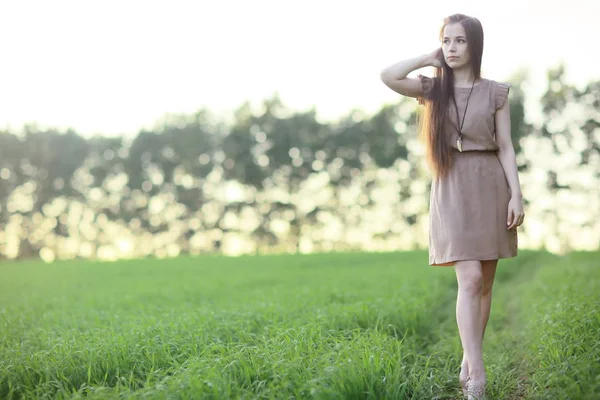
515	219
521	219
511	218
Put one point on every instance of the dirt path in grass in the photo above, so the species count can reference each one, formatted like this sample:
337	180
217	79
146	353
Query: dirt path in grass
510	340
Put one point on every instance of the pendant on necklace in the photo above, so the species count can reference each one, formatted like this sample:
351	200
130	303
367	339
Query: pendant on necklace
459	144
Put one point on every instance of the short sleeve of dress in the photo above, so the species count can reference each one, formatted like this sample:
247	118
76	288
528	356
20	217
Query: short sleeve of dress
500	94
427	87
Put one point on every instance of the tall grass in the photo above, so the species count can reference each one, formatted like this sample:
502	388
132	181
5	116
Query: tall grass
326	326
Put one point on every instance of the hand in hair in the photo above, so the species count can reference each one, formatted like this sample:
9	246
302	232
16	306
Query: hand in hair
436	57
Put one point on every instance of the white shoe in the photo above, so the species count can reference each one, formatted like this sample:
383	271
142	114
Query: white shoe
475	390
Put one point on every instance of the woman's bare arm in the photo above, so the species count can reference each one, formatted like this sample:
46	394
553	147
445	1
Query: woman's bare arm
506	155
395	76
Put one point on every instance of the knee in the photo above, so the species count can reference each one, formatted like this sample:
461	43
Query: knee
472	283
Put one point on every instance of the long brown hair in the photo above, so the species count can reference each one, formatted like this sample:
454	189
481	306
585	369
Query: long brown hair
432	121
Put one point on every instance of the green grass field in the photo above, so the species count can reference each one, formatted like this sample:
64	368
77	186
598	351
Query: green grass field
322	326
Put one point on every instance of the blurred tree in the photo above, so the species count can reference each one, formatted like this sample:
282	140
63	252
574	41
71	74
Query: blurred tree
11	152
571	124
51	159
276	175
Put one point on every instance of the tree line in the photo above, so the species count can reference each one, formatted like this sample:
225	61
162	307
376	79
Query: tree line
276	179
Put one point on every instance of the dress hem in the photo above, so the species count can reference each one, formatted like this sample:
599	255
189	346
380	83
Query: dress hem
452	259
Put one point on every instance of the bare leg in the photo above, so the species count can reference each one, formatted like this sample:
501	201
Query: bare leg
469	275
488	269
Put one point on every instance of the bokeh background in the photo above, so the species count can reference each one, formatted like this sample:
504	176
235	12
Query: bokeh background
147	128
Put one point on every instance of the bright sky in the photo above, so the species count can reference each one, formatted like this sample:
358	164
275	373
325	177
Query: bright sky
113	67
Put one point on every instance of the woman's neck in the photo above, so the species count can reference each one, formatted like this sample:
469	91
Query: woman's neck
463	77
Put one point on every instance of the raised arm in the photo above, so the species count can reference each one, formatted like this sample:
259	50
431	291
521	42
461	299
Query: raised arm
395	78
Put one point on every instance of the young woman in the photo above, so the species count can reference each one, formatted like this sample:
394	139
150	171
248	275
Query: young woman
476	201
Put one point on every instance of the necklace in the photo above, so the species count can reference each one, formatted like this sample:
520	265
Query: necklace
460	124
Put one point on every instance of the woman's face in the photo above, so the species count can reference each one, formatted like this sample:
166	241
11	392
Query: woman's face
455	47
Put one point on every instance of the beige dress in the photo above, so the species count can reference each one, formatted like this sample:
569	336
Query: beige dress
468	208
